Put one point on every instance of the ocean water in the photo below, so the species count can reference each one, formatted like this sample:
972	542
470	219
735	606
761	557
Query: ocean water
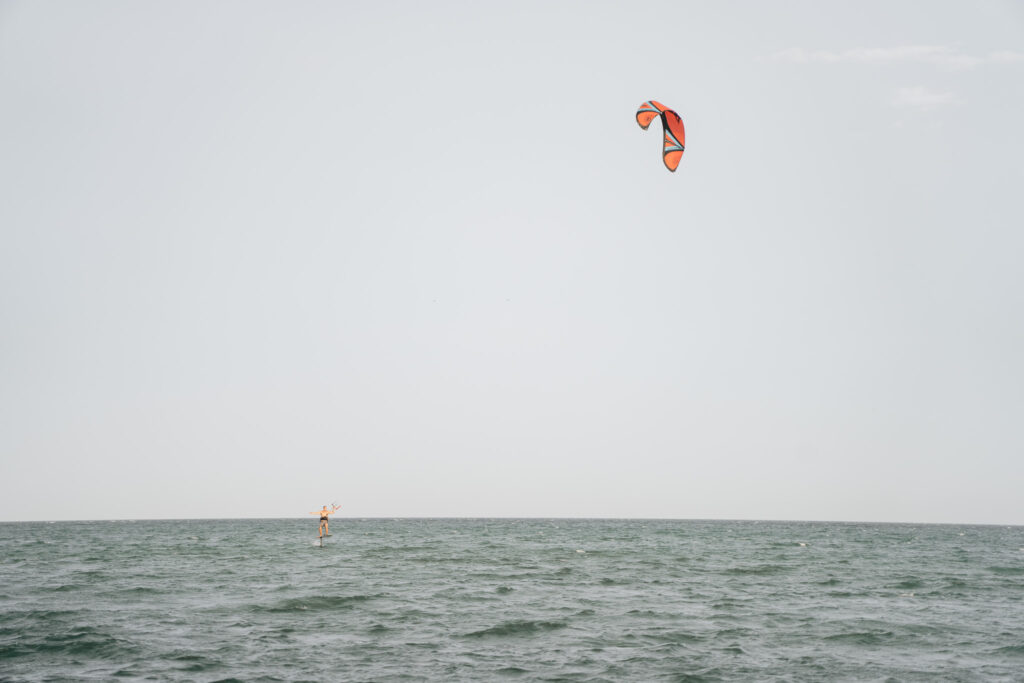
548	600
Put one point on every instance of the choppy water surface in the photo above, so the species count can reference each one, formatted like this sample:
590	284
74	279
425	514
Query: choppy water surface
528	599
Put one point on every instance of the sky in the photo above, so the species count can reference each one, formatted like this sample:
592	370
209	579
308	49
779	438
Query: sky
420	260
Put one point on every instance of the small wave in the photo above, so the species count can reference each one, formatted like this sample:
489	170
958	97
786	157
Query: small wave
735	632
873	637
521	627
675	637
138	590
186	657
192	663
1015	650
324	603
56	616
705	677
728	604
1006	571
85	641
759	569
503	589
511	671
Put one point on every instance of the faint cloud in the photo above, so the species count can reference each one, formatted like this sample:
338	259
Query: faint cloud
920	97
938	55
1007	57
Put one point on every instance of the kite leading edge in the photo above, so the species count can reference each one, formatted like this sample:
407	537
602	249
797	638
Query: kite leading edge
675	135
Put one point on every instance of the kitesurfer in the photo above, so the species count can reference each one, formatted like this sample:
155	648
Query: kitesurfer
324	514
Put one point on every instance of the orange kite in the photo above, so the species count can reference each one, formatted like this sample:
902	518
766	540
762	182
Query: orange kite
675	136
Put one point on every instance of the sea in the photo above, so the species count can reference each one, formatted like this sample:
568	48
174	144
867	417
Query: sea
510	599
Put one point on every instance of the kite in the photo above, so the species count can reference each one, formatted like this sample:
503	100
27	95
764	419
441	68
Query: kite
675	136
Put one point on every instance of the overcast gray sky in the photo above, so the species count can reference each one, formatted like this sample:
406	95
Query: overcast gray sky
419	258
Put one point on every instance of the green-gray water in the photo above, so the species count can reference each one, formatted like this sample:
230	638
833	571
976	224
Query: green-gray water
587	600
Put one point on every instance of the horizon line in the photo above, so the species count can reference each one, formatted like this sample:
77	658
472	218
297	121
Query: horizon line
509	518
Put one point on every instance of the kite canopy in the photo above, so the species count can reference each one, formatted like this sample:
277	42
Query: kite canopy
675	136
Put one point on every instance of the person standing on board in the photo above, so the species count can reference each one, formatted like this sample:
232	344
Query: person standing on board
324	514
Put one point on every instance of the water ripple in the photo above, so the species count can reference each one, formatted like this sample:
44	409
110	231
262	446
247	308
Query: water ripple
510	599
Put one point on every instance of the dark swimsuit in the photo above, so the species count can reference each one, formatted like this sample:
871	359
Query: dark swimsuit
323	519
